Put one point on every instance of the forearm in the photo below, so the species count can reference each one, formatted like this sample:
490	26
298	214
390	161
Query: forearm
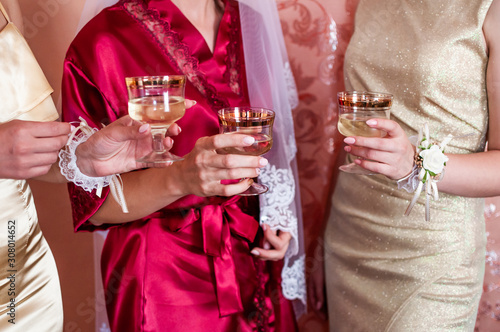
472	175
145	192
53	175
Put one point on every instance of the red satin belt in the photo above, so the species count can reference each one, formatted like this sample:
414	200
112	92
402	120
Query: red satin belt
219	218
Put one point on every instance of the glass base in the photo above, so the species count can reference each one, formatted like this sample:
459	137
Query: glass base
159	158
254	189
355	169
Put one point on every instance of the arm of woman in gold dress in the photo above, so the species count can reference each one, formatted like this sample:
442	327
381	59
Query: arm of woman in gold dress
470	175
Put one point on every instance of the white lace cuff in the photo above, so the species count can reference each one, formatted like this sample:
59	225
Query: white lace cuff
69	168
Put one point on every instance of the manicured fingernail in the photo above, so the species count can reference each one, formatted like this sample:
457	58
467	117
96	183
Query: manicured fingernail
318	305
73	128
349	140
357	161
371	122
257	170
263	162
143	128
347	148
255	252
249	140
264	227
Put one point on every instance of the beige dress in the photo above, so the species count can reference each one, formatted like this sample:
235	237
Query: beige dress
30	295
384	271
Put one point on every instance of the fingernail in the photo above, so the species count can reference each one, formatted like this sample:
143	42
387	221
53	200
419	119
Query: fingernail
264	227
255	252
349	140
143	128
347	148
180	130
194	102
263	162
318	305
371	122
266	245
73	128
249	140
257	170
357	161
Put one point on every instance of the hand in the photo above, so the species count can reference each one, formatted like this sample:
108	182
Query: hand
316	291
278	242
115	148
29	148
203	169
391	156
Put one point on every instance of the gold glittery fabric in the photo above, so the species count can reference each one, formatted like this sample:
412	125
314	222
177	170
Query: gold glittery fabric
384	271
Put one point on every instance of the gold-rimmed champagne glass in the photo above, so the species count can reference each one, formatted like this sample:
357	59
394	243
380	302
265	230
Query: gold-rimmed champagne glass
355	108
256	122
159	101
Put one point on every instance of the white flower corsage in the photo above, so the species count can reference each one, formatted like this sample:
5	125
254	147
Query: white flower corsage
430	161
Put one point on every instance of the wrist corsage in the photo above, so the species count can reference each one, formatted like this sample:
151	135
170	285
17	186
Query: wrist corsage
69	169
428	169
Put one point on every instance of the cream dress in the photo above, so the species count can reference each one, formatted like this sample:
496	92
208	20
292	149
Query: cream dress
30	294
384	271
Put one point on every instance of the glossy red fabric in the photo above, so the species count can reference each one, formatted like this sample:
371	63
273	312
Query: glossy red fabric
186	267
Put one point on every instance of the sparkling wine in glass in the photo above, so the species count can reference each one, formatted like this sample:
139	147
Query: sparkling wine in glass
159	101
355	108
253	121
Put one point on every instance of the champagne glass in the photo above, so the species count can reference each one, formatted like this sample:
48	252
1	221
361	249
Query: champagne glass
253	121
159	101
355	108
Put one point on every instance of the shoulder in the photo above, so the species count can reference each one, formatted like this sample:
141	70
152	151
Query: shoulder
103	31
491	26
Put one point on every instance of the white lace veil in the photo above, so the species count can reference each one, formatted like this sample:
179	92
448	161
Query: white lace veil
271	85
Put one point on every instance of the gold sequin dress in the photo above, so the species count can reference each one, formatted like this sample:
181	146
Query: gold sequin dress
384	271
30	295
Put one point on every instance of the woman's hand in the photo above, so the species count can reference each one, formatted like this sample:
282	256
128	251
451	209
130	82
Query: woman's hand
391	155
115	148
275	244
203	169
29	148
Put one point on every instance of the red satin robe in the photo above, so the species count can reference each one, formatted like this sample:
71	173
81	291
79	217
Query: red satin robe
186	267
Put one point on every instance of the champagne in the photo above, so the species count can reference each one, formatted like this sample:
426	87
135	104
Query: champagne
354	124
155	111
262	144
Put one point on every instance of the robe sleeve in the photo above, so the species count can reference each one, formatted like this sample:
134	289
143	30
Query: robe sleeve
82	98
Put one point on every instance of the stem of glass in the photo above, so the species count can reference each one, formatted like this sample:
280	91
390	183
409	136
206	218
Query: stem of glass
158	138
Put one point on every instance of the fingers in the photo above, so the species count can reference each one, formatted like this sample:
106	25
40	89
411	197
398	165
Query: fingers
233	189
190	103
221	141
174	130
279	243
392	128
48	129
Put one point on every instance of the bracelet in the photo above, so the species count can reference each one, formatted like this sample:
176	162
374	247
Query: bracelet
69	168
428	169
